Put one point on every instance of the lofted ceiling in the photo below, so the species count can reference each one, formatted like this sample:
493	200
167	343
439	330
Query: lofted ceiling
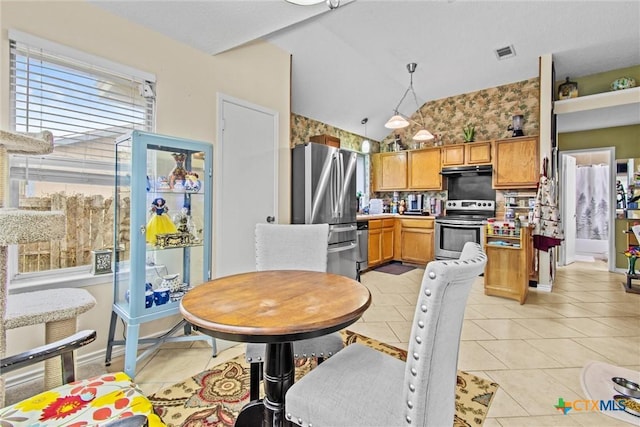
350	62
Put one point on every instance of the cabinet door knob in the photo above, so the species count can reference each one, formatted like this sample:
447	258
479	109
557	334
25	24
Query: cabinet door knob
143	229
271	219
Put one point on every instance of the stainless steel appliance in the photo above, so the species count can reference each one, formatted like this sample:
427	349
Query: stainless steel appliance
415	204
471	200
464	222
323	188
363	247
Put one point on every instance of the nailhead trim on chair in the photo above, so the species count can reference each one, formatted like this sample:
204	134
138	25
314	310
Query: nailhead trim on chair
408	419
427	292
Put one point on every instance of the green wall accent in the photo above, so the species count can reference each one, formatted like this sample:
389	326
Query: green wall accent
626	140
601	82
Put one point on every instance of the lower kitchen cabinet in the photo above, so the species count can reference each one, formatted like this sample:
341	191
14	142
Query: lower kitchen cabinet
508	265
416	241
388	234
375	243
381	236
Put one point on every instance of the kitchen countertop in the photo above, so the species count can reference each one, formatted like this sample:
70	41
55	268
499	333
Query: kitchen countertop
365	217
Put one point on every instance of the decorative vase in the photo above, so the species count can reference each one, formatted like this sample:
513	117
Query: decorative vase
568	90
623	83
632	265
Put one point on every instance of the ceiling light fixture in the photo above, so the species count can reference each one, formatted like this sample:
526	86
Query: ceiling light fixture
366	145
398	121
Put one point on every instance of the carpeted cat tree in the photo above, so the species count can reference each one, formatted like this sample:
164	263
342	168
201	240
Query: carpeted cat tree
21	226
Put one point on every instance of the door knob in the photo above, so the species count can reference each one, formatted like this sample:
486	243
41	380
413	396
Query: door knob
271	219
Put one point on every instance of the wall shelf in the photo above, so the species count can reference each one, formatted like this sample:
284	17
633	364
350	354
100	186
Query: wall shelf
601	110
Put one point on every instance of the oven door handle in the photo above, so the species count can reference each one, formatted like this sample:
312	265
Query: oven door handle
461	224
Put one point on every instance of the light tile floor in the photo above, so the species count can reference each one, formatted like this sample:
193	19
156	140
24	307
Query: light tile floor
534	351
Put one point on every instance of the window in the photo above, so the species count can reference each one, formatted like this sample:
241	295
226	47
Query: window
86	102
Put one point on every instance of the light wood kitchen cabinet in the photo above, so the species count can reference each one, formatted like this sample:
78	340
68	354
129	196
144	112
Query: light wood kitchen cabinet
329	140
389	171
381	238
508	267
472	153
375	243
388	234
424	169
516	163
416	241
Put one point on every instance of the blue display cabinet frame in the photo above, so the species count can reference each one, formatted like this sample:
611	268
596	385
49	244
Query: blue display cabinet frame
151	166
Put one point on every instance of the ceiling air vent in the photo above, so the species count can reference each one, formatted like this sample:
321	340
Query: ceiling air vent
505	52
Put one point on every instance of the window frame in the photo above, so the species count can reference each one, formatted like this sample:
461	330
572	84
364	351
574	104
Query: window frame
96	66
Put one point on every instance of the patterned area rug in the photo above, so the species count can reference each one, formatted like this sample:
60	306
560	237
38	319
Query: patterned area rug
216	396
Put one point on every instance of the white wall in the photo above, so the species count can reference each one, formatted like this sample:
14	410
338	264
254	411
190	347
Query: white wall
187	83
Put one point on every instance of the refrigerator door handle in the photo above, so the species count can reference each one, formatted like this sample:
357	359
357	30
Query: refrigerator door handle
348	247
335	188
340	185
336	229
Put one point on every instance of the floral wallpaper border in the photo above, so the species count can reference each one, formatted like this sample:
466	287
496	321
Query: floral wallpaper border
489	110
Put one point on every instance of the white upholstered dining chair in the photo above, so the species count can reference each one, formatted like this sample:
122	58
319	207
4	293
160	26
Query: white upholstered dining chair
291	247
361	386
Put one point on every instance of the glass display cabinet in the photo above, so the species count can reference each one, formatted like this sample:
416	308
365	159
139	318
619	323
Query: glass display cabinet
162	236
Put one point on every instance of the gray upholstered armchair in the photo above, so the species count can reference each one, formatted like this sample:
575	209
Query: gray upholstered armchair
361	386
291	247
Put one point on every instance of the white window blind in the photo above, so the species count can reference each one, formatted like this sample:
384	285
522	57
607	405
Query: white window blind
84	105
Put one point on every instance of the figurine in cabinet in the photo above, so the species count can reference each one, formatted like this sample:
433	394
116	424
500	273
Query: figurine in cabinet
178	173
191	182
159	223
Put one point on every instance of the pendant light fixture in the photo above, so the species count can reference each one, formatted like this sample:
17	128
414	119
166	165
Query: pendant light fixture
366	145
397	121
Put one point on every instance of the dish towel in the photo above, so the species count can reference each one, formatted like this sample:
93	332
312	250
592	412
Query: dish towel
548	231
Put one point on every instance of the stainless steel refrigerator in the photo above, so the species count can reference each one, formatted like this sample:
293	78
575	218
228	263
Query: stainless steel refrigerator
323	185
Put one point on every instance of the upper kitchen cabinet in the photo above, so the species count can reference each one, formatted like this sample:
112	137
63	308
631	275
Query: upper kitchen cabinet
474	153
389	171
329	140
424	169
516	163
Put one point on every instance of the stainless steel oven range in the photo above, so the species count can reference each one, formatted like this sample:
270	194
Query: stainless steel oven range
465	221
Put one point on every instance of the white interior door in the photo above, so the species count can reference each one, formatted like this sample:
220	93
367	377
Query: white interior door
246	181
568	189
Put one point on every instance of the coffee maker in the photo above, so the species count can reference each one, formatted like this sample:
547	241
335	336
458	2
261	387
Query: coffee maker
414	204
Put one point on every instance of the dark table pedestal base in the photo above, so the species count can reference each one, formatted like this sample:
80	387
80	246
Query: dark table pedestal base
629	286
279	375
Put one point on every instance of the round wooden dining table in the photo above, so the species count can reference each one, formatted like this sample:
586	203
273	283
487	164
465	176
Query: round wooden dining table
276	308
